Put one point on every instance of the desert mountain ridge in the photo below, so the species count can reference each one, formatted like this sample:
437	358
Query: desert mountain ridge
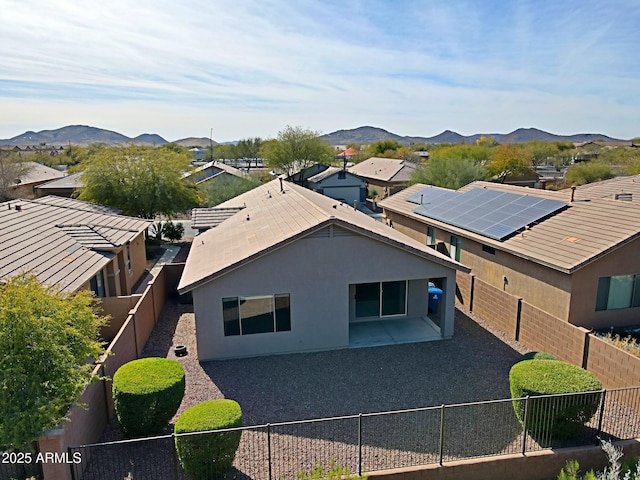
85	135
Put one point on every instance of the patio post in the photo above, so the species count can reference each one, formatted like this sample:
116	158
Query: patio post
524	428
442	434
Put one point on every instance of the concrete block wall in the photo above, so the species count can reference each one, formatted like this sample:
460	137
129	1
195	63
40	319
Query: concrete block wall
614	367
545	464
496	307
543	332
464	288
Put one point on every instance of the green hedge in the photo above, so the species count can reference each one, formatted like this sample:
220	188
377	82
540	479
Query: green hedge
147	393
557	417
537	356
208	456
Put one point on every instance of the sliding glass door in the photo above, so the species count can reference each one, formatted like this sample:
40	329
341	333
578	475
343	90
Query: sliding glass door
381	299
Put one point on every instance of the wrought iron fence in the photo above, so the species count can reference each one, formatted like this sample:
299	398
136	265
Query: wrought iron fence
376	441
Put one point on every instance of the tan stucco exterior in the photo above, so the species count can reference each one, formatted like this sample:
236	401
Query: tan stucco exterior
568	296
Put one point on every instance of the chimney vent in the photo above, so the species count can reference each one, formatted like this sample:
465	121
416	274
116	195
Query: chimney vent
18	208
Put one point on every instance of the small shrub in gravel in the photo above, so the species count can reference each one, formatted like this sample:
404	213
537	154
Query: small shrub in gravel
208	456
554	416
333	472
537	356
147	393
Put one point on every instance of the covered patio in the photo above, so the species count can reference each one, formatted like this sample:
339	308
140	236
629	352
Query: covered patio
393	331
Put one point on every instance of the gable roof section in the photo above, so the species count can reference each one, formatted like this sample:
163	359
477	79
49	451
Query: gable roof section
63	242
566	241
68	181
37	173
608	189
273	218
384	169
330	172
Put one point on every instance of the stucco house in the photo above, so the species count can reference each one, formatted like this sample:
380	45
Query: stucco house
339	184
385	175
294	271
34	174
72	245
577	261
214	172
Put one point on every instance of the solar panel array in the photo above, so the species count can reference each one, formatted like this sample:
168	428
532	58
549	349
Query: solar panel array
491	213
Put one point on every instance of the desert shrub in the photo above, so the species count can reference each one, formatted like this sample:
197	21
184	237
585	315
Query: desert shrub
560	417
147	393
628	343
157	230
208	456
333	472
173	231
537	356
628	470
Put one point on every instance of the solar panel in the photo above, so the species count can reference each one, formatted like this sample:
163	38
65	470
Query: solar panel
487	212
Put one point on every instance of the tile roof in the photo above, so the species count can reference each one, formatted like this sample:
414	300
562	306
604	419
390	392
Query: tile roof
202	218
63	242
68	181
608	189
385	169
37	173
566	241
273	217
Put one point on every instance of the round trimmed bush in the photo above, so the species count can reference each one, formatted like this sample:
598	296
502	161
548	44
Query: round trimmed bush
560	417
208	456
537	356
147	393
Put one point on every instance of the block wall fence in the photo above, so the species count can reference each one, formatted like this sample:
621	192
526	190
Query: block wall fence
95	408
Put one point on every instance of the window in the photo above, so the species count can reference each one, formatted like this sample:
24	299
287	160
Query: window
622	291
97	284
431	237
259	314
456	246
488	249
127	258
381	299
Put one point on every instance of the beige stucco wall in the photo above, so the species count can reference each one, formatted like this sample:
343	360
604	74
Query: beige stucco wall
622	261
317	272
543	287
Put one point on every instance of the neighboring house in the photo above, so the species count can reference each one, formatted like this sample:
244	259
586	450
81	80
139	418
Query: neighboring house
72	245
339	184
292	271
385	175
198	153
577	260
618	188
347	154
62	187
202	219
525	179
213	172
300	175
35	174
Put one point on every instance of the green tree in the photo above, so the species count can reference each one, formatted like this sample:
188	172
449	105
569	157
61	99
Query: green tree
224	152
226	188
509	159
12	168
450	173
249	148
295	149
588	172
46	337
384	148
142	181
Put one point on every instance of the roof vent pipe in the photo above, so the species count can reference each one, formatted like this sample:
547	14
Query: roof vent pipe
355	204
18	208
573	192
421	195
281	188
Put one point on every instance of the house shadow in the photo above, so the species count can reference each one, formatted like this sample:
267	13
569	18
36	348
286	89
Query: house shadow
472	366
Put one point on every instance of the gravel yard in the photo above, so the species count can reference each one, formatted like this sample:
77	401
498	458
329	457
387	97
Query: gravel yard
472	366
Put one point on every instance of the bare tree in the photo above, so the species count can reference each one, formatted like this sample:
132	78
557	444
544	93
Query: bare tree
12	169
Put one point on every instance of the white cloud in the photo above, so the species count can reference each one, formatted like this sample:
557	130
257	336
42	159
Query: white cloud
256	66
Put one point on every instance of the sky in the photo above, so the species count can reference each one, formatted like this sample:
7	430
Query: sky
246	68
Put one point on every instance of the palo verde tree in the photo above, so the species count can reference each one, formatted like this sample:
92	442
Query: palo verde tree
295	149
46	338
141	181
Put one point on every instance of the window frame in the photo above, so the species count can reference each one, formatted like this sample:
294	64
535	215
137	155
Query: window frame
232	314
609	290
431	237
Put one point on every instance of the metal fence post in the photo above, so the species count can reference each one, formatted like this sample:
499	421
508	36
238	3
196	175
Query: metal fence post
442	434
269	447
174	453
602	404
524	428
359	444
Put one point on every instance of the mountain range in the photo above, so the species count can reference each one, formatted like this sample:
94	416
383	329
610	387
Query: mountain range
85	135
